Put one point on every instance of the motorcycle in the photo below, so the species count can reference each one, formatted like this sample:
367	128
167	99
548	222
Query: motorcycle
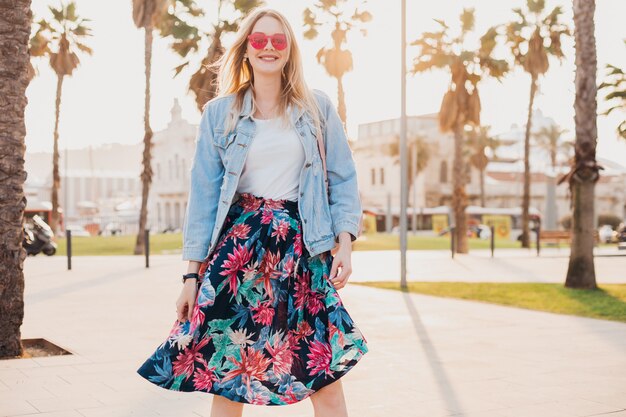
38	237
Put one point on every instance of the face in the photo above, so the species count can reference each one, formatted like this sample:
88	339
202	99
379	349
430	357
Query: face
268	60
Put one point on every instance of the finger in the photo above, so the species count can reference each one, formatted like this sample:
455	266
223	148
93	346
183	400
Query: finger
333	269
190	314
343	276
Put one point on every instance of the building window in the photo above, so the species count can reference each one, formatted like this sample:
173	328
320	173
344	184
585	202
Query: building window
443	172
158	171
373	176
382	176
176	166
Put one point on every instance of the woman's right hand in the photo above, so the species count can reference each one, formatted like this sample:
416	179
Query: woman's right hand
186	300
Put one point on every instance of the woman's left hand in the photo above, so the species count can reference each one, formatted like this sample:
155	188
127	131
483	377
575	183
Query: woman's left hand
342	259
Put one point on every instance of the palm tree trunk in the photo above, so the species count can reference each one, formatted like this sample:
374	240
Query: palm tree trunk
341	101
581	271
482	188
146	175
56	177
526	193
15	22
459	198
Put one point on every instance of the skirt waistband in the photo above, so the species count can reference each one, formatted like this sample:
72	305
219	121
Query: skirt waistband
251	199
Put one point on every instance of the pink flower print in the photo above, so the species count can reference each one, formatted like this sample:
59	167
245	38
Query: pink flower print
281	228
267	216
183	364
263	314
319	358
203	378
235	263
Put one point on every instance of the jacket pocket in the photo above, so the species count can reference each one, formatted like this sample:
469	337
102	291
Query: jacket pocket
223	140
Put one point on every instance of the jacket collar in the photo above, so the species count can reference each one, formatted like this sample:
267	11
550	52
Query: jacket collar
295	112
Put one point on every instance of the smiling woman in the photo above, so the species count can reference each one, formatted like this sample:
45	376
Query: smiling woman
259	318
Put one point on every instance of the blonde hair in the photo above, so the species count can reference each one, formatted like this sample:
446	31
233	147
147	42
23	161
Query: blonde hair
236	75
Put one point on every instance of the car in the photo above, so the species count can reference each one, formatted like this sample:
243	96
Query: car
605	233
78	230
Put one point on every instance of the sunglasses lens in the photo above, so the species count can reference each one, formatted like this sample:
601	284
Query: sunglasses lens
258	41
279	41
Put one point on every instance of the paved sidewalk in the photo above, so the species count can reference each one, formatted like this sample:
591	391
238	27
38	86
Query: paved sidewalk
428	356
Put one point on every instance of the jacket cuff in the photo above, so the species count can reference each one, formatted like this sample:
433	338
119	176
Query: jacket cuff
194	254
346	226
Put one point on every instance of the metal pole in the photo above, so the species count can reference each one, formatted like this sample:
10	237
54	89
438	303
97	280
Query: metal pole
403	158
146	241
493	240
68	246
452	241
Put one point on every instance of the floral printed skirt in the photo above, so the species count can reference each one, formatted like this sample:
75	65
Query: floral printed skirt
268	327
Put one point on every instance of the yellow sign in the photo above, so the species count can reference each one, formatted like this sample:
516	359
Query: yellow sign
501	224
440	222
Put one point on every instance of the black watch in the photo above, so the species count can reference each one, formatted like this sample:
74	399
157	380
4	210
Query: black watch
190	275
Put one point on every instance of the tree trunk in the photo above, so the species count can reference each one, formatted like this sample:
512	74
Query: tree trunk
56	177
526	193
146	175
482	187
581	271
15	22
341	101
459	198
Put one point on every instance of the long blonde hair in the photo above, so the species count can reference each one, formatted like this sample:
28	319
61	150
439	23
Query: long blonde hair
236	75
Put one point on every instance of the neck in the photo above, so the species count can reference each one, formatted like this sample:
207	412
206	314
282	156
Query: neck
267	90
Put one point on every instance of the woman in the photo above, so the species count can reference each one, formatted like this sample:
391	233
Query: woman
259	317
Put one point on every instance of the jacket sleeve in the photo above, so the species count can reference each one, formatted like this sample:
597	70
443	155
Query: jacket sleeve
345	201
207	172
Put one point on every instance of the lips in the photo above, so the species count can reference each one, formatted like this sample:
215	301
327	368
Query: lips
268	58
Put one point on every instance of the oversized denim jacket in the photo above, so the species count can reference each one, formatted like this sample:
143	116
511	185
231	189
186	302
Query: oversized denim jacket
219	159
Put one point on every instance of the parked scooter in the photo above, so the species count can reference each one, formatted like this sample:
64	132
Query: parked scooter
38	237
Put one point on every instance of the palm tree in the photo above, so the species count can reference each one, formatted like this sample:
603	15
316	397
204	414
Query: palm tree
59	39
336	60
182	25
615	83
461	104
415	144
146	14
549	139
14	78
585	170
480	141
533	37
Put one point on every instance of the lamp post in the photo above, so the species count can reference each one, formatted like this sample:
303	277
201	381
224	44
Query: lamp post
403	152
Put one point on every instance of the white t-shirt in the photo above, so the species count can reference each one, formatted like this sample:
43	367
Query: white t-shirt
274	162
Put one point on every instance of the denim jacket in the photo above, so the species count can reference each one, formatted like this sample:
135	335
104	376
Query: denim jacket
219	159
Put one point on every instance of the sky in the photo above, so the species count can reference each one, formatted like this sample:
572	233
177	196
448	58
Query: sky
103	101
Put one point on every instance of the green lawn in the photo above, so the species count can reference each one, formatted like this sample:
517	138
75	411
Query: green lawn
387	241
120	245
607	302
172	243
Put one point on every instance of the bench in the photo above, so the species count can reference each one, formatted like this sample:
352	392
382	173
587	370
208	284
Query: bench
558	236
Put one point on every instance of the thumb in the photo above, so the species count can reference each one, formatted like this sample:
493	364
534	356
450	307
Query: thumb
190	311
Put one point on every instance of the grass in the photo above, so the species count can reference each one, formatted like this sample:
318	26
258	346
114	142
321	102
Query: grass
388	241
160	244
607	302
170	243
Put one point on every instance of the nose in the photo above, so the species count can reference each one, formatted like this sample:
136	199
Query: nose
269	45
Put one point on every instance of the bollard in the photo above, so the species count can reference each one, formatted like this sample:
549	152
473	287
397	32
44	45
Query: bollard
452	241
146	244
493	240
538	231
68	244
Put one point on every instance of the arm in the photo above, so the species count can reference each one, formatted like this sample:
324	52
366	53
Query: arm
344	199
207	173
